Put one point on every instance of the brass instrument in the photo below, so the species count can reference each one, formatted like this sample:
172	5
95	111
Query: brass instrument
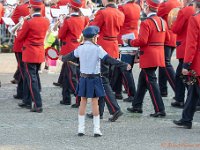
15	28
172	16
190	79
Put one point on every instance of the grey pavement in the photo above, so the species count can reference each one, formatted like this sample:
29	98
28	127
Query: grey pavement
56	127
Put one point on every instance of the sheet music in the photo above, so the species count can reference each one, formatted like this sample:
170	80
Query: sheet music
55	12
64	10
86	12
128	36
8	21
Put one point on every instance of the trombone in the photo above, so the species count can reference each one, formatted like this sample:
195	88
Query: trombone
15	28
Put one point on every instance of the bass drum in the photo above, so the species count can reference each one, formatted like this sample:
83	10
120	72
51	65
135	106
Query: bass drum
172	16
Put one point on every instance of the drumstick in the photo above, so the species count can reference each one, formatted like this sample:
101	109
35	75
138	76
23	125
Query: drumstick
73	63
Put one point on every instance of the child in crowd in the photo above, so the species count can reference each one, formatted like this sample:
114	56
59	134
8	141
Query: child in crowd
90	84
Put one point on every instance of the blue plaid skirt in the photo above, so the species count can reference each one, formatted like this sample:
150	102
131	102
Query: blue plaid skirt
90	87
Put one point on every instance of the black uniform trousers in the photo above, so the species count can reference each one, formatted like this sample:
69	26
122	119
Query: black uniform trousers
60	78
167	73
17	74
110	100
32	85
180	86
20	66
70	81
148	80
191	103
126	78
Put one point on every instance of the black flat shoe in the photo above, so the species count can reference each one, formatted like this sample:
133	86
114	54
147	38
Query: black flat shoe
115	116
183	124
129	99
177	104
17	97
38	109
135	110
24	105
64	103
75	106
57	84
97	135
158	114
81	134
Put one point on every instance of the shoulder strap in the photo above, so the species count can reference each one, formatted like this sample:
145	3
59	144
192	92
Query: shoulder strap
156	24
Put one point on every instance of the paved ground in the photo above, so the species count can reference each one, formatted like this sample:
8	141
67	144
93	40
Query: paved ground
56	127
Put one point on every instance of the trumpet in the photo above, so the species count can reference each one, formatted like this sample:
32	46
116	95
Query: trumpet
15	28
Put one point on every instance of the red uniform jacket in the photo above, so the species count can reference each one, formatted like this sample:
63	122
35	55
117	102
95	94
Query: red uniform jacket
1	13
163	12
131	12
151	42
180	28
192	51
62	2
109	20
32	35
20	11
71	31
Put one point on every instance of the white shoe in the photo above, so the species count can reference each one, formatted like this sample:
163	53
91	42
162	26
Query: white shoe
96	122
81	125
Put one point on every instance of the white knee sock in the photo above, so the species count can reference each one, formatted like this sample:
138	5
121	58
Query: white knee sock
96	122
81	124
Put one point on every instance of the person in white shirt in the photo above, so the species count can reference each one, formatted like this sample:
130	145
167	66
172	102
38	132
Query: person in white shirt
90	84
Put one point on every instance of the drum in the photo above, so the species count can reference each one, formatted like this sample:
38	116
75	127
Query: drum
129	50
52	53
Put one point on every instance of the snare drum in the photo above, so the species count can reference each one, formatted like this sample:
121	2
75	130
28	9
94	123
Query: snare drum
129	50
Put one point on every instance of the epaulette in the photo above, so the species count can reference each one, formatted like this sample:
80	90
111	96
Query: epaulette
67	17
102	8
196	14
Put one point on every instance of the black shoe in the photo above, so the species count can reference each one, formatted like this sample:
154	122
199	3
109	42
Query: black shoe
90	115
64	103
14	81
97	135
135	110
129	99
118	96
38	109
183	124
17	97
177	104
158	114
164	94
197	108
116	115
57	84
81	134
24	105
75	105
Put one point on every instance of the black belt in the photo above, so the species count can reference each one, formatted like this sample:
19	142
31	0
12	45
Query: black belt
156	44
90	75
110	38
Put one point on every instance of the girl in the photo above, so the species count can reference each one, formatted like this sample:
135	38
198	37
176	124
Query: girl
90	84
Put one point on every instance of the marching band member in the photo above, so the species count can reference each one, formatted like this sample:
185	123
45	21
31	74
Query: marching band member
167	73
19	12
109	20
152	36
1	12
131	11
90	83
32	35
191	62
69	33
180	28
